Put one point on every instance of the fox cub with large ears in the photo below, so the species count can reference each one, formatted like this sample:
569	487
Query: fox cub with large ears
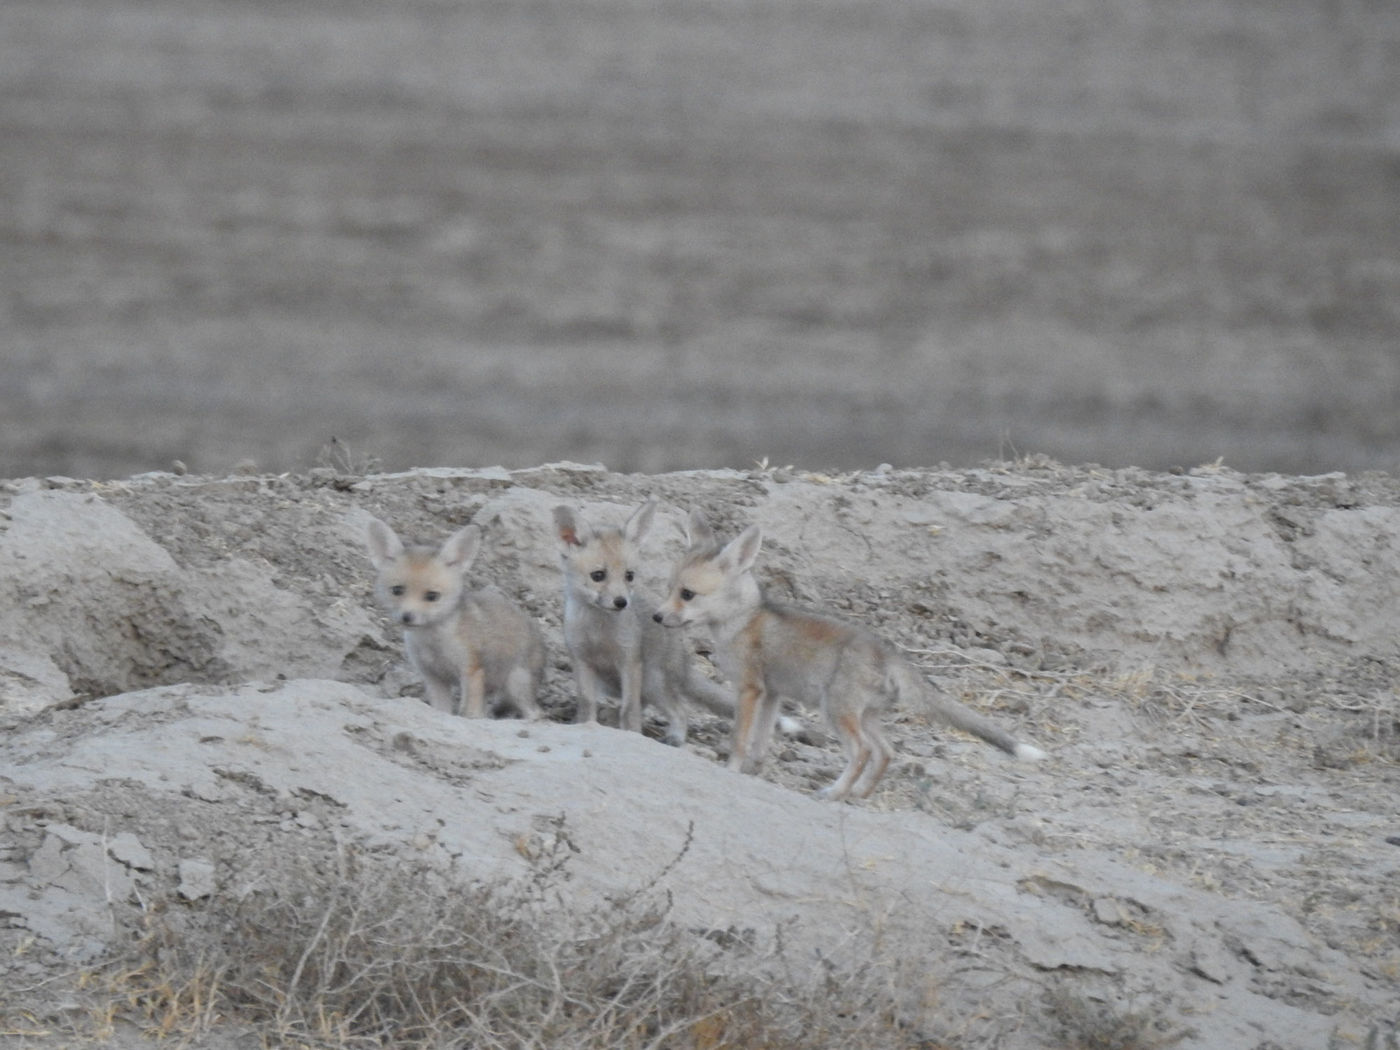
469	646
617	649
770	651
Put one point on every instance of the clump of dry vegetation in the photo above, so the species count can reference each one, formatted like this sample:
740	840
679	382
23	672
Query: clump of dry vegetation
1085	1023
389	953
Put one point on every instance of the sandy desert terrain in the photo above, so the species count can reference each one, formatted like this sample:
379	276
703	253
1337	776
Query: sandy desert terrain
870	272
203	709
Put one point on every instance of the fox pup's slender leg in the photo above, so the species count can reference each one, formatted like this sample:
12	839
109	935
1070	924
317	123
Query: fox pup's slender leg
883	752
588	690
745	711
853	743
676	729
762	731
520	687
474	690
671	692
440	694
754	717
629	716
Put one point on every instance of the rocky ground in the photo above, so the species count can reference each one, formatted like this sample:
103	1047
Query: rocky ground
674	236
198	691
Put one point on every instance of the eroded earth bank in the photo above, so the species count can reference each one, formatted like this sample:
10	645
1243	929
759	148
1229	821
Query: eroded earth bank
199	697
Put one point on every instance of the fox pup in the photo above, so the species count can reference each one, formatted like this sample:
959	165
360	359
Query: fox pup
468	646
616	647
770	651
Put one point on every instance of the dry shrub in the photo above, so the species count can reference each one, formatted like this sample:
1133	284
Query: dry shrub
1085	1023
1157	693
389	953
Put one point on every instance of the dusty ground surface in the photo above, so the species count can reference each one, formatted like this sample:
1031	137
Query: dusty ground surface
665	236
196	686
672	236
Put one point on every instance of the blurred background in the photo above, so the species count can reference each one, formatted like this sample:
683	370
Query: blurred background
668	234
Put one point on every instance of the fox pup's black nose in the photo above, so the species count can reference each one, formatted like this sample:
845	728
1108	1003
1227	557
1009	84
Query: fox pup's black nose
619	602
656	617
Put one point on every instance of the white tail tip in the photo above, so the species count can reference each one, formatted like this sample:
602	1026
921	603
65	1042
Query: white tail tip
1027	753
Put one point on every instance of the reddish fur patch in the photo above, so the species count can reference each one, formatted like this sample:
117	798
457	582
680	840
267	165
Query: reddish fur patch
748	702
820	631
752	634
744	716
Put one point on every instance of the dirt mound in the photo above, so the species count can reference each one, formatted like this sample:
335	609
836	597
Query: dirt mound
1209	854
96	606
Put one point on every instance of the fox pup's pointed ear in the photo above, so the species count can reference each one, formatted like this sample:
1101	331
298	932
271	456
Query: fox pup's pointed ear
741	552
639	522
384	544
569	527
699	534
460	549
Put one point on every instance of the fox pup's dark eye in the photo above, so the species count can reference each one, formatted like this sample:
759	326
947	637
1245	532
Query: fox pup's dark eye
431	596
687	594
598	575
629	575
396	590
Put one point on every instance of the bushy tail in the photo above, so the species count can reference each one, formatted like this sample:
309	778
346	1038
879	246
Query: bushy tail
915	690
720	701
714	698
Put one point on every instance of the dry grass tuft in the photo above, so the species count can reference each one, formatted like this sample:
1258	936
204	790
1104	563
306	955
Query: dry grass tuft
338	457
391	954
1175	698
1162	696
1090	1024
